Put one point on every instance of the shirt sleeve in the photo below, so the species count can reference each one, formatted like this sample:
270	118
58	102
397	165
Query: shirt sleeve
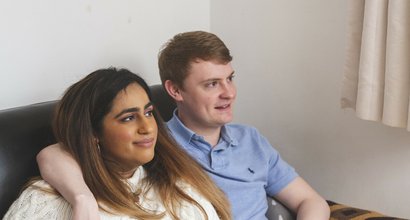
35	203
279	173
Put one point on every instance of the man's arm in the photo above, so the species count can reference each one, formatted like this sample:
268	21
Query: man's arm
61	171
303	200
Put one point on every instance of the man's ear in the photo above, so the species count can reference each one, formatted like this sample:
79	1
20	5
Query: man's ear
173	90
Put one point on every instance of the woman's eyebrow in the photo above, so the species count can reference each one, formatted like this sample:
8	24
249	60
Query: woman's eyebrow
149	104
133	109
127	110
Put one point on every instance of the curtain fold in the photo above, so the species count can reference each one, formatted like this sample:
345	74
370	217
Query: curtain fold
376	80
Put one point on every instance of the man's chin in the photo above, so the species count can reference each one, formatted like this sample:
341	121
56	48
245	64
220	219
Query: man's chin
224	121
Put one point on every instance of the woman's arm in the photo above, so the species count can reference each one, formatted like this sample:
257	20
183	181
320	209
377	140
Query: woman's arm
61	171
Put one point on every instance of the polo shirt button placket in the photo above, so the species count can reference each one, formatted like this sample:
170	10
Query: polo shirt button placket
217	159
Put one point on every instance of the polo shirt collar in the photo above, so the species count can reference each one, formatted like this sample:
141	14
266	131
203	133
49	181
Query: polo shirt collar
226	135
182	134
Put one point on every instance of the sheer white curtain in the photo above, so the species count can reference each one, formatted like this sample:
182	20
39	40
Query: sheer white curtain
376	80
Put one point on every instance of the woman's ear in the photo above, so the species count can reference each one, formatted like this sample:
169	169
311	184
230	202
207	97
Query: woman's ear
173	90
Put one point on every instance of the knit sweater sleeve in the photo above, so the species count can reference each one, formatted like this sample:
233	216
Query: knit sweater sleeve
36	203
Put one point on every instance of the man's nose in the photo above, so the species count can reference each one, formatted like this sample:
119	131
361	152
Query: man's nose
228	90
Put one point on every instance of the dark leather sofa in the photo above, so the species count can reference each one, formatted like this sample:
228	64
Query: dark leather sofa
25	130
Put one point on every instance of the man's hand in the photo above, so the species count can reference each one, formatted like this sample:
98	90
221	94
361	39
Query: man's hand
85	208
62	172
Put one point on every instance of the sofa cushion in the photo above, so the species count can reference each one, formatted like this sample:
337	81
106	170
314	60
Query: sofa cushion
277	211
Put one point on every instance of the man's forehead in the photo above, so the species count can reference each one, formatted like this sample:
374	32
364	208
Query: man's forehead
205	70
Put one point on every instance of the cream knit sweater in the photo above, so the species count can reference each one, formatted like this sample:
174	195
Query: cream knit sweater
34	203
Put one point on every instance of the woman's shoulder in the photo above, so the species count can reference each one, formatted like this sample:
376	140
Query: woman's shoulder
39	201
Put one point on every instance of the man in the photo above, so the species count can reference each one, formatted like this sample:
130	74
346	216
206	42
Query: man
196	71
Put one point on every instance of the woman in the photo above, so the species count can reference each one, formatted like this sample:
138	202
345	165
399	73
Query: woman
130	163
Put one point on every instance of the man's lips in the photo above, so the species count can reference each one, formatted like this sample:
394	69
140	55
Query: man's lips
222	107
146	142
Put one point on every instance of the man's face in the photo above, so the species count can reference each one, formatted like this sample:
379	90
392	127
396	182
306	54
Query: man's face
206	100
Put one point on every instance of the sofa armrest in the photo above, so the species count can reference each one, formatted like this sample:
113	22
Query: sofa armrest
277	211
343	212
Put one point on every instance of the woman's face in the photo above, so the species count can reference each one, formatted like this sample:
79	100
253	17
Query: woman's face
129	131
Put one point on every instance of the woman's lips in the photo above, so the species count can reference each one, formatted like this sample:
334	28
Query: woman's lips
147	142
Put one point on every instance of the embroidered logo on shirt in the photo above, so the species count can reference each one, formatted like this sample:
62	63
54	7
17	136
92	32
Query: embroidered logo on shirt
251	171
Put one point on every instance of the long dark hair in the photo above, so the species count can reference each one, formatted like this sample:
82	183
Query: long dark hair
77	123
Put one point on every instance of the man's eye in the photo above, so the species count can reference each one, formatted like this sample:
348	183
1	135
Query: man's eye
212	84
231	78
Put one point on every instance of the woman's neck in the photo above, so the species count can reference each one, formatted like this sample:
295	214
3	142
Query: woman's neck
127	174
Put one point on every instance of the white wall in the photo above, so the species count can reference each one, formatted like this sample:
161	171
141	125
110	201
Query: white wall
288	55
47	45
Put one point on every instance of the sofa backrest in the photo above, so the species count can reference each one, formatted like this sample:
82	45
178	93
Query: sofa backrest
25	130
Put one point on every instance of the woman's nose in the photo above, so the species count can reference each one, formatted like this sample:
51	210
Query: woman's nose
146	125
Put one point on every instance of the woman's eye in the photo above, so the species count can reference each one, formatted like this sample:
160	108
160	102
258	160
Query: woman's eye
128	118
149	113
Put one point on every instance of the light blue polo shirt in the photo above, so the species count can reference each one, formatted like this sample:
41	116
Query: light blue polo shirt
243	164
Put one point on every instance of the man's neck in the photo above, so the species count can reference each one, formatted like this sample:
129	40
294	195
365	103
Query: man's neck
210	134
212	137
